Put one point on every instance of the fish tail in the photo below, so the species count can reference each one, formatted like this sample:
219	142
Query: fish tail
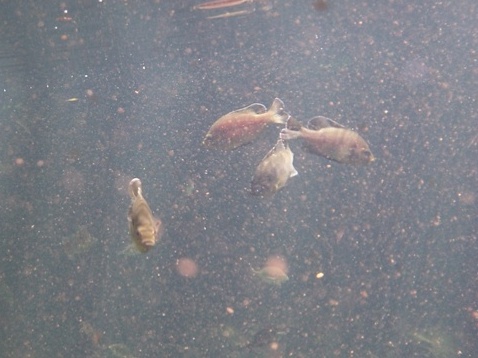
279	115
288	134
134	188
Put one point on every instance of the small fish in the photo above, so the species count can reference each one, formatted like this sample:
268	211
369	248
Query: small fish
329	139
274	170
244	125
271	274
219	4
143	227
230	14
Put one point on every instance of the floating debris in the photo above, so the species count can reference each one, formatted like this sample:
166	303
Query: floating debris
79	243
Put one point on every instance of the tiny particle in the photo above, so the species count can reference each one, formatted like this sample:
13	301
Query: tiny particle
274	346
333	302
319	275
19	162
229	310
64	19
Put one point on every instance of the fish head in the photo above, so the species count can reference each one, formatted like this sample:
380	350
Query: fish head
145	233
208	140
143	241
216	141
361	155
265	184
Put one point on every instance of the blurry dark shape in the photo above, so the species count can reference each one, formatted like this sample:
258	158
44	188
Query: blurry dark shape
118	350
415	72
321	5
219	4
93	334
144	229
262	338
329	139
274	170
11	60
434	341
7	298
473	142
242	126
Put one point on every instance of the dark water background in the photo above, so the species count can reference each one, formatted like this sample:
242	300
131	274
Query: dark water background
396	240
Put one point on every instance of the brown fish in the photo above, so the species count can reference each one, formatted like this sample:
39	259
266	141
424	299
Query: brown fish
329	139
274	170
143	227
244	125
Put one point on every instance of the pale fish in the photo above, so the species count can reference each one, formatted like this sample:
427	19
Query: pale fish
273	275
329	139
274	170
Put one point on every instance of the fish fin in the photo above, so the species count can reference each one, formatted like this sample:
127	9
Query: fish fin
257	108
273	150
286	146
134	188
281	144
279	115
320	122
158	227
287	134
293	124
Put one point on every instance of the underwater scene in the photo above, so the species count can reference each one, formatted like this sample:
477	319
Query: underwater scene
227	178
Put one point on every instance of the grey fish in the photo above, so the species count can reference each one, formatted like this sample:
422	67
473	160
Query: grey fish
329	139
274	170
